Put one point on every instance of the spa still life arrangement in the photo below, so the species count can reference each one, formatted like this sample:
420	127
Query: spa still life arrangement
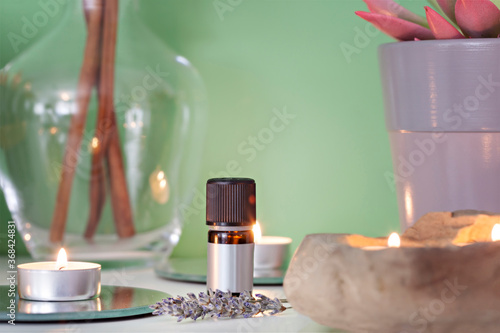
440	274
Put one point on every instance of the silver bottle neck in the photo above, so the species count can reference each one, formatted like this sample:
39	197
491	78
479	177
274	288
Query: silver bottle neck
228	228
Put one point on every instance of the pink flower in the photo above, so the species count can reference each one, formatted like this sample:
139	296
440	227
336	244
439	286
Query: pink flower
474	18
478	18
440	27
390	8
396	27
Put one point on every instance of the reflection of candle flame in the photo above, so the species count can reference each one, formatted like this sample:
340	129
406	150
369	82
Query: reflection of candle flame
62	259
257	232
95	142
98	301
65	96
495	233
394	240
159	186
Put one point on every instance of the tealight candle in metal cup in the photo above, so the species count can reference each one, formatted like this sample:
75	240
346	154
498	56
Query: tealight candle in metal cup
59	281
270	251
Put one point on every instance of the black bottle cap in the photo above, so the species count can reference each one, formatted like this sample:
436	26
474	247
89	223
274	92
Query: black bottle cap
231	202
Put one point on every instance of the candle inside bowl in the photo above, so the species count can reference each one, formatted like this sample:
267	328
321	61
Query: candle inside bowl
59	280
495	233
393	241
270	251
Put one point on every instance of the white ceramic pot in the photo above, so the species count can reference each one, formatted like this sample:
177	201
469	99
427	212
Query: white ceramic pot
442	101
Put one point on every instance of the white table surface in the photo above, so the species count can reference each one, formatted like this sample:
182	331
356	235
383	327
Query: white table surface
288	321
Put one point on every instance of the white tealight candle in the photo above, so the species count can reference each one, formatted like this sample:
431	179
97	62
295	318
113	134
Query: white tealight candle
270	251
59	280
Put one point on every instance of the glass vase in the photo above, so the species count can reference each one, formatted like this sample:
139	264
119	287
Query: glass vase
159	106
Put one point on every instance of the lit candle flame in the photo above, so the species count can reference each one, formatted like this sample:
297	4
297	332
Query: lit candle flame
65	96
257	232
495	233
394	240
159	186
62	259
95	142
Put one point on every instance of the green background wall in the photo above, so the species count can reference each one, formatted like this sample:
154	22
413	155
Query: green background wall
325	171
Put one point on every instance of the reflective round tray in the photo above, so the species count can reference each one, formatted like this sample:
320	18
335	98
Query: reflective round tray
195	270
113	302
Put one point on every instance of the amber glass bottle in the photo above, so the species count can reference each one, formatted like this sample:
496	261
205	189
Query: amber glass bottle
230	217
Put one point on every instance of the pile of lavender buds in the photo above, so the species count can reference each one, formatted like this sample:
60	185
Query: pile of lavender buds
217	304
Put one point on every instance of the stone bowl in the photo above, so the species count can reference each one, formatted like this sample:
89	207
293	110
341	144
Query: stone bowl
402	290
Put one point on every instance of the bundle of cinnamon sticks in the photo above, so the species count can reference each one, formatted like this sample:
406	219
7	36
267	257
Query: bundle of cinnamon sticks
98	69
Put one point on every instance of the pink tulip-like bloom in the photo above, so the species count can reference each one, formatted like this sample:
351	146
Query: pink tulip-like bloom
466	19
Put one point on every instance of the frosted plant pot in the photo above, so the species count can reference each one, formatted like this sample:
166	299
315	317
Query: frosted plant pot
442	108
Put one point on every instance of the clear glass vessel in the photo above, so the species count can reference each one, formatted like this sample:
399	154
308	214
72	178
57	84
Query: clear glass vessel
160	108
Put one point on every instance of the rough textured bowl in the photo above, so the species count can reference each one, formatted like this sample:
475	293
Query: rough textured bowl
403	290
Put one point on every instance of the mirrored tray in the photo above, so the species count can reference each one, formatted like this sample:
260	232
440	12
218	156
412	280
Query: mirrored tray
114	302
195	270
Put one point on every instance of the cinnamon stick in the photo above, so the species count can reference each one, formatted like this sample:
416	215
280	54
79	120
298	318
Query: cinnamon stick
77	126
97	193
119	193
107	136
97	187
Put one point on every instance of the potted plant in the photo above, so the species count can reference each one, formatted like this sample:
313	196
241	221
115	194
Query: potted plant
441	85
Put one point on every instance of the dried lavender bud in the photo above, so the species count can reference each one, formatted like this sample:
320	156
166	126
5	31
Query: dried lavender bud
217	304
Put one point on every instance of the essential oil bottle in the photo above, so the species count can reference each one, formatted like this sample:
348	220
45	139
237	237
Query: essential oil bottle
230	217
